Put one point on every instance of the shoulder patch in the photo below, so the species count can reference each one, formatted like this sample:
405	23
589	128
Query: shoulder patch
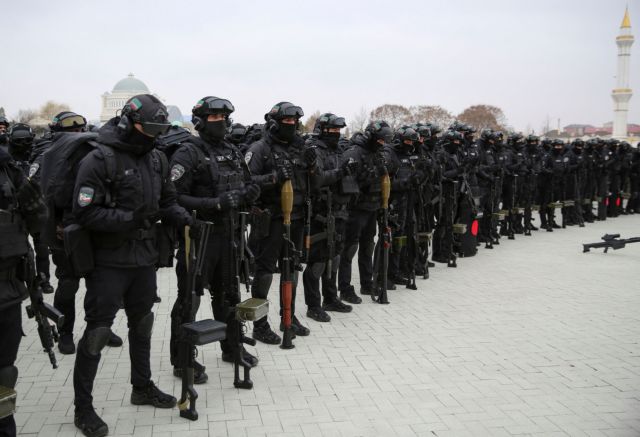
176	172
85	196
33	169
247	157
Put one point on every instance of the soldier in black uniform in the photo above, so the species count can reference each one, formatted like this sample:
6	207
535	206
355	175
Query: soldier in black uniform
588	183
120	218
63	124
211	178
334	183
4	128
530	180
452	178
575	168
486	184
401	160
274	159
556	167
21	139
367	151
22	211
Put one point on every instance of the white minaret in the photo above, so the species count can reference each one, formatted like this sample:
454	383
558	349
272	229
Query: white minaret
622	93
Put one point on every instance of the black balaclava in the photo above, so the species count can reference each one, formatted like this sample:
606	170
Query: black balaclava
214	131
139	142
285	132
331	139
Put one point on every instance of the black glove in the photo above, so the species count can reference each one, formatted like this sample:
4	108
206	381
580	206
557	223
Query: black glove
195	228
349	167
285	172
229	200
310	156
251	193
140	216
29	196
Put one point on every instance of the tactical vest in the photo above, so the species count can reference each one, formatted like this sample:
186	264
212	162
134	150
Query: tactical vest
225	168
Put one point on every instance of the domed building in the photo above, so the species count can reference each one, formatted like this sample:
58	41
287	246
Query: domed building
122	91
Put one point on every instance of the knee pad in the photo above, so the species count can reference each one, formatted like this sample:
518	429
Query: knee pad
8	376
317	269
144	327
96	339
351	251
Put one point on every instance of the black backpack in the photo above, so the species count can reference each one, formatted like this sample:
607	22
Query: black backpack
170	142
59	169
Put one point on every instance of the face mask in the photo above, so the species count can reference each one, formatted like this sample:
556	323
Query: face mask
286	132
331	138
3	138
214	130
141	143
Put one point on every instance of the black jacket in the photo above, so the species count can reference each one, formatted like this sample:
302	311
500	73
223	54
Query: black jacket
121	237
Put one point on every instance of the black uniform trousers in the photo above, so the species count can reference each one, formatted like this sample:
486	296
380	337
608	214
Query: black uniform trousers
270	250
318	256
360	232
10	336
217	276
107	289
65	296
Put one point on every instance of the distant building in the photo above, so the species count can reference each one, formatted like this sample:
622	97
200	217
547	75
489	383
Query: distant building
622	93
123	90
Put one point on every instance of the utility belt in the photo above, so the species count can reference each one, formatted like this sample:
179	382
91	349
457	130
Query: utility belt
112	240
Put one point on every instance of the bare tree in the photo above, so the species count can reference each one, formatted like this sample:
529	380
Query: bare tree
51	108
26	115
432	114
483	117
310	122
395	115
359	121
2	114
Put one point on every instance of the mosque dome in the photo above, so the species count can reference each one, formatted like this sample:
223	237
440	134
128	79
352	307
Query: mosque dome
130	85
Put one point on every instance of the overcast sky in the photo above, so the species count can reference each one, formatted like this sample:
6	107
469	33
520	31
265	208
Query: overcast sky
534	59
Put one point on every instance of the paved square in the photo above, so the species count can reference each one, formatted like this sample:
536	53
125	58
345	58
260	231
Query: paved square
531	338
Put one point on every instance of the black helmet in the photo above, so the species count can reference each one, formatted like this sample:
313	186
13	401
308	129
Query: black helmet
515	139
532	139
21	135
486	134
456	126
378	130
207	106
68	121
451	138
557	142
328	121
434	127
498	136
284	110
237	132
406	133
146	110
578	142
423	130
3	121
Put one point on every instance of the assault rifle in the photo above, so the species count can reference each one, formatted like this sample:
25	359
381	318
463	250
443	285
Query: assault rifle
612	241
251	309
194	333
41	311
381	265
